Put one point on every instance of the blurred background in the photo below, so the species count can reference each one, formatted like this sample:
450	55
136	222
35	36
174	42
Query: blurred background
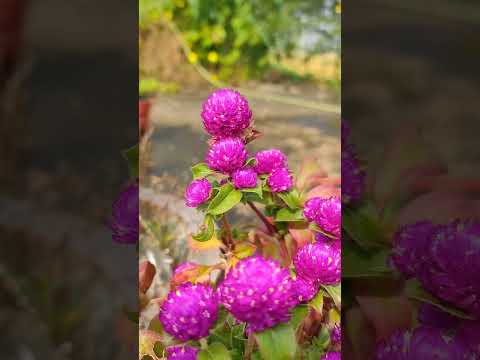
282	55
68	108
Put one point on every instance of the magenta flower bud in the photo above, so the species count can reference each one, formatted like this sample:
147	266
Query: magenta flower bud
426	343
269	160
326	213
468	333
189	311
124	222
452	272
319	263
227	155
280	180
181	352
244	178
226	113
305	289
197	192
259	292
353	178
410	247
336	335
332	355
329	216
312	208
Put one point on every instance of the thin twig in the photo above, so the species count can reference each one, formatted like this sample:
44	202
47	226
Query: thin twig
228	230
270	227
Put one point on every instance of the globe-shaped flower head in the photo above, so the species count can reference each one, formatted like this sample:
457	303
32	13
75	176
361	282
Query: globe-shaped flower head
332	355
269	160
189	311
197	192
280	180
181	352
453	267
227	155
319	263
336	335
124	222
353	178
226	113
410	247
244	178
326	213
426	343
305	289
259	292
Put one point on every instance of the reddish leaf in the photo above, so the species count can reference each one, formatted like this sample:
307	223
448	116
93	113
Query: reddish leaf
146	273
386	314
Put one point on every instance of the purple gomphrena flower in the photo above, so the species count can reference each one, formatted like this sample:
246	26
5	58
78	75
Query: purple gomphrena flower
189	311
305	289
431	343
269	160
433	316
453	267
280	180
329	216
259	292
325	212
319	263
332	355
124	222
311	208
197	192
426	343
468	332
336	335
353	178
227	155
410	247
181	352
244	178
226	113
393	348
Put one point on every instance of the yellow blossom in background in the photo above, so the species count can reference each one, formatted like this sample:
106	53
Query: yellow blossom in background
179	3
168	15
338	8
212	57
192	57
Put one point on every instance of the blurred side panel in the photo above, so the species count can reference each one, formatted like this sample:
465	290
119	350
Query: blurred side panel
68	108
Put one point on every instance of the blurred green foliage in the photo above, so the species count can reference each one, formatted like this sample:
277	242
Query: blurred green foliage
243	38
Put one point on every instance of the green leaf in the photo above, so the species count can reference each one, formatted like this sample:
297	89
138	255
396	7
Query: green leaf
317	302
256	190
286	215
132	156
278	343
291	198
414	290
363	229
201	170
250	162
215	351
299	313
359	263
225	200
335	292
207	230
